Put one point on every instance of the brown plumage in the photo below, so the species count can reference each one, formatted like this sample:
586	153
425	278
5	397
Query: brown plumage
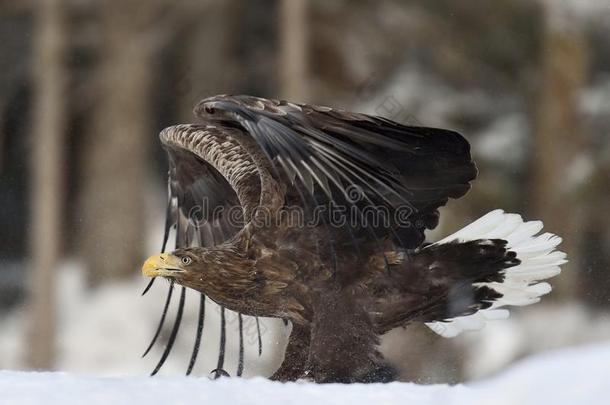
317	216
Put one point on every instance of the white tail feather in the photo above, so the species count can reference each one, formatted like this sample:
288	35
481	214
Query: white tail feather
521	286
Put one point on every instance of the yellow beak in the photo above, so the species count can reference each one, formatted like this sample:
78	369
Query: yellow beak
163	265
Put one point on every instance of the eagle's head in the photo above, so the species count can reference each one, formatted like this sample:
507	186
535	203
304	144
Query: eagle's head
177	265
219	272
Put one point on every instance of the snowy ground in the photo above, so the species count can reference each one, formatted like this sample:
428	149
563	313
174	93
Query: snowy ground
571	376
104	331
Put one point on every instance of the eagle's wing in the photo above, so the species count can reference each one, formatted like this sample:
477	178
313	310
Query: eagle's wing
210	177
336	156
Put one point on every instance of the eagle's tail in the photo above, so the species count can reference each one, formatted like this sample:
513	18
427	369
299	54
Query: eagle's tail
534	259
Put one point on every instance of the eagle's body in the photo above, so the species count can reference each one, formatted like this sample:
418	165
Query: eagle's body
318	216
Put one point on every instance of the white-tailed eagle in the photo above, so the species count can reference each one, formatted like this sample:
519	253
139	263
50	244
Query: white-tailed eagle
318	216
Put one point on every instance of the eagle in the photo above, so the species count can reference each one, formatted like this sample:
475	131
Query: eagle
318	216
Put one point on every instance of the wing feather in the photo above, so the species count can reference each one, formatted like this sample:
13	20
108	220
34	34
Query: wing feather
202	182
394	165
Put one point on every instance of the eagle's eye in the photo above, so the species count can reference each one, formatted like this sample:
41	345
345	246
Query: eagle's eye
186	260
209	109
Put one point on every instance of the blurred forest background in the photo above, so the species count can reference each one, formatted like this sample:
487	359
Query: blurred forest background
87	85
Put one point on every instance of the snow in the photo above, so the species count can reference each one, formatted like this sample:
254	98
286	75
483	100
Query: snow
504	142
570	376
535	329
584	10
105	330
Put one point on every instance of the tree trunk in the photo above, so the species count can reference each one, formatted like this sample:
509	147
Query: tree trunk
294	60
47	182
197	77
116	153
557	138
595	238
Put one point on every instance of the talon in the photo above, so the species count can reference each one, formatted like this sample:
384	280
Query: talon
219	372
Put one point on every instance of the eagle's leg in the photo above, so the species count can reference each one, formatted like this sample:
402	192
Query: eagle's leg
295	356
344	344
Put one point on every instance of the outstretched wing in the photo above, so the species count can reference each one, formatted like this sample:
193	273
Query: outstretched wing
206	185
331	156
